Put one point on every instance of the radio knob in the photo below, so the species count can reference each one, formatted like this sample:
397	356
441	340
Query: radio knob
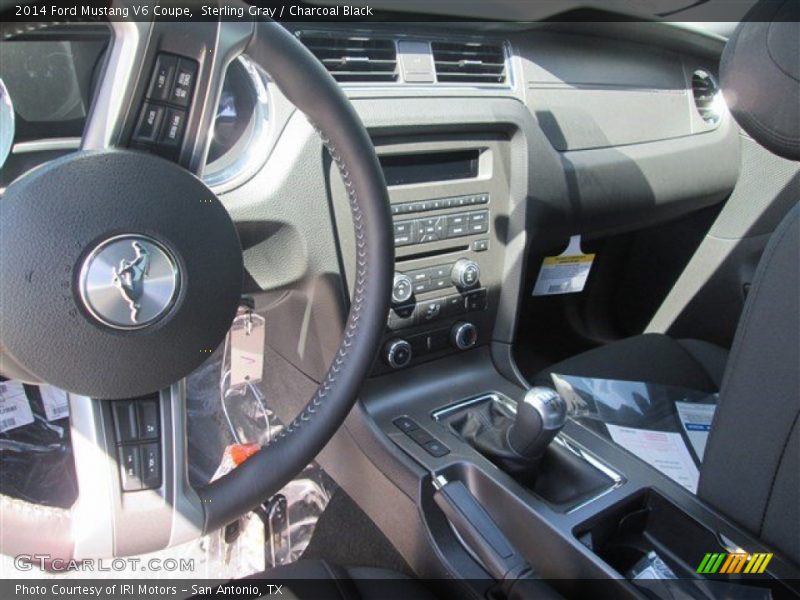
464	335
465	273
402	288
398	353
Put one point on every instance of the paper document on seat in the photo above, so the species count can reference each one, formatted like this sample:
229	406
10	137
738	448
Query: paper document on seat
665	451
696	421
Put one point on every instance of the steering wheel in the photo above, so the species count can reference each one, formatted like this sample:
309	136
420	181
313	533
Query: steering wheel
120	270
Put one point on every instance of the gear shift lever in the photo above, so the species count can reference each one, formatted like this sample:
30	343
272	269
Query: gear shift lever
516	444
540	416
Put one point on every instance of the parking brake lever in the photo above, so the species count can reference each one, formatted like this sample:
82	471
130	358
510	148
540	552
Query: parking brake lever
489	545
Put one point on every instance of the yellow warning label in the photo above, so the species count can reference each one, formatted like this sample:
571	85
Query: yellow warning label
568	260
565	273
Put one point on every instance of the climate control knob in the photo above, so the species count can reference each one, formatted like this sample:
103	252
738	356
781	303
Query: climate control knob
465	273
464	335
402	288
397	353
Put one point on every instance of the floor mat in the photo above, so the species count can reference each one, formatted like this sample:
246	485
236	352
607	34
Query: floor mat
346	536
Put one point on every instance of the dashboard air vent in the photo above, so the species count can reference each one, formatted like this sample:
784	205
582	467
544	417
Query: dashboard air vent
707	97
469	62
354	58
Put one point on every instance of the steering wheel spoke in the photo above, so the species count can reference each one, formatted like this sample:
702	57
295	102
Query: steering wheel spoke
141	276
131	468
161	85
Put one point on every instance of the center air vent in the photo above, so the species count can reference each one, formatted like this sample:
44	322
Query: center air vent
353	58
469	62
707	97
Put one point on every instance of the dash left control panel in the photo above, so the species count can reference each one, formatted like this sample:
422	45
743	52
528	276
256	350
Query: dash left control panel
162	118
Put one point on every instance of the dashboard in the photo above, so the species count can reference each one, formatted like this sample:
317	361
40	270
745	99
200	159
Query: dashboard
493	139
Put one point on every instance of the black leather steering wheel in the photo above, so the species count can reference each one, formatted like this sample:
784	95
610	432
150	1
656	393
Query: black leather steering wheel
58	218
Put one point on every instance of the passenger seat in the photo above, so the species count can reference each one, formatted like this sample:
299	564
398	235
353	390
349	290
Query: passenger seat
751	466
651	357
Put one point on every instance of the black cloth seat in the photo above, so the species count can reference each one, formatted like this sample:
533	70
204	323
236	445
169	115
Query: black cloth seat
751	467
651	357
308	579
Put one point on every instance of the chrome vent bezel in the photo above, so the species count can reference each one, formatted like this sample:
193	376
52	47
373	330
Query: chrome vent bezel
707	96
354	58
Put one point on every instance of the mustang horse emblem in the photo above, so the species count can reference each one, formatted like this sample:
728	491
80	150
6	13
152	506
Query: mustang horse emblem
129	278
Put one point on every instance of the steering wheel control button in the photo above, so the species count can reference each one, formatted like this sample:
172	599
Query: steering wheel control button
162	78
130	468
464	335
174	126
148	419
129	281
184	82
125	422
465	273
151	466
402	288
398	353
149	124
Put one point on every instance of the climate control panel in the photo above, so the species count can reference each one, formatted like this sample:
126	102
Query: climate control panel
441	308
464	274
398	352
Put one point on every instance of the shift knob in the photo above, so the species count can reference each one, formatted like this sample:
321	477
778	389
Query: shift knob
540	416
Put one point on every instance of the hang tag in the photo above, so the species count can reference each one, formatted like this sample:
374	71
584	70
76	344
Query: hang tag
247	348
15	410
565	273
55	402
696	420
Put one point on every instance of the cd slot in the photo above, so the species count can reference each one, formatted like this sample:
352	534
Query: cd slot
429	253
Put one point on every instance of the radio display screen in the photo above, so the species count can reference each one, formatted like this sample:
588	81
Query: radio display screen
404	169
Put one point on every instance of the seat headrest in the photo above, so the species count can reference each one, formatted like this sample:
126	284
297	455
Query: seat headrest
760	76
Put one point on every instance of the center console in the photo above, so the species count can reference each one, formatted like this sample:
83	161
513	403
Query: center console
450	207
460	193
592	513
